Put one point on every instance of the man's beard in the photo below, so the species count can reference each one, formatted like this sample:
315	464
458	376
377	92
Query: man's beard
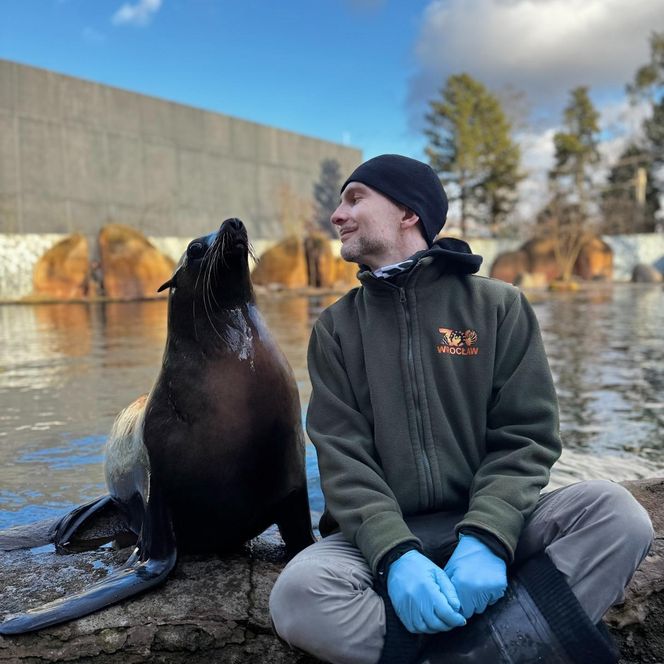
357	249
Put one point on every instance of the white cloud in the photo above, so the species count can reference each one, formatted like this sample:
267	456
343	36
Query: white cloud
536	160
139	14
621	124
543	47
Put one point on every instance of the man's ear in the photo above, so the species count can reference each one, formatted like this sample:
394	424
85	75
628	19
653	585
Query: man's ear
408	218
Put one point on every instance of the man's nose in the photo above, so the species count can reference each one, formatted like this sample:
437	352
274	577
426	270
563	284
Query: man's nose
338	216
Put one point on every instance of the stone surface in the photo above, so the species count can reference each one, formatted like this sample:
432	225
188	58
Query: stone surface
646	274
537	257
541	258
283	265
19	254
214	608
321	262
132	267
595	261
63	272
211	609
308	263
325	270
509	265
531	280
346	274
638	623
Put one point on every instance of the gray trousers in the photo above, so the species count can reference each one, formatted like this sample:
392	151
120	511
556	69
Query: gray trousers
594	532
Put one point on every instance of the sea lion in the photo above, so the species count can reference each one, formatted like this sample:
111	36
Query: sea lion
214	454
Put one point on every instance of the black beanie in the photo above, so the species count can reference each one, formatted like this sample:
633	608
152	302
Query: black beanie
409	182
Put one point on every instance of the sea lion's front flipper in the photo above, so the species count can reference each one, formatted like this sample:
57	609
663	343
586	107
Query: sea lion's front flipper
149	565
91	525
85	527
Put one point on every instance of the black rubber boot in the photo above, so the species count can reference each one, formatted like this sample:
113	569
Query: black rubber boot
539	620
400	647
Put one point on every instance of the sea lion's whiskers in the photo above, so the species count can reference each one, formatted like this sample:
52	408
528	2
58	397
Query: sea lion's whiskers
252	252
208	294
223	250
214	273
193	306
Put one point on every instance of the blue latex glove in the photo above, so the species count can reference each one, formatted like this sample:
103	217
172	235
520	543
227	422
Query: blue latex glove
422	595
478	574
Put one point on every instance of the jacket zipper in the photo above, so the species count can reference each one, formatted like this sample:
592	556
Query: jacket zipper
416	399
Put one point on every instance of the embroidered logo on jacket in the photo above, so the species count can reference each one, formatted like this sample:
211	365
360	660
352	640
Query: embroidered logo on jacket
456	342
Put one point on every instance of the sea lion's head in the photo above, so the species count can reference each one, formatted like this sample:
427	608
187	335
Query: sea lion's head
213	273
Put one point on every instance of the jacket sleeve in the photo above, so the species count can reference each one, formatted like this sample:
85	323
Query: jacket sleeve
353	483
522	439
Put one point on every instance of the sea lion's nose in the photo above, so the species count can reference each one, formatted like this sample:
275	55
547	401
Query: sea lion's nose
235	224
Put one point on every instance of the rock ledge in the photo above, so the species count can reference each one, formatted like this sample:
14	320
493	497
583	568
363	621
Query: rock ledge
214	609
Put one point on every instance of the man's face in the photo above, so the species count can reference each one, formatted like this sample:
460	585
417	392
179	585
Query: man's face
368	224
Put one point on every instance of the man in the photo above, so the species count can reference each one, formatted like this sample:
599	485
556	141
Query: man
435	419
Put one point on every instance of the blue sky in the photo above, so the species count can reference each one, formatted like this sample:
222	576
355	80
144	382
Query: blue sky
350	71
331	69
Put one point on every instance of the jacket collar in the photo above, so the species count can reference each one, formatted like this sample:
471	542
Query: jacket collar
447	255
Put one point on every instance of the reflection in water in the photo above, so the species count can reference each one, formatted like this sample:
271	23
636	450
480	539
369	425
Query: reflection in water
67	370
605	351
134	323
68	325
27	359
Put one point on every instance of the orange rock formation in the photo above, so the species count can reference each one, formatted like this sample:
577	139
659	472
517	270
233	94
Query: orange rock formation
294	263
537	257
132	267
63	271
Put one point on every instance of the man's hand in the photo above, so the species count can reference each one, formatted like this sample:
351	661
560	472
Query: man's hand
478	574
422	595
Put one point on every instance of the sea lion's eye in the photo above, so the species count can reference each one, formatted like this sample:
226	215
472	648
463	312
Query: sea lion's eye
196	250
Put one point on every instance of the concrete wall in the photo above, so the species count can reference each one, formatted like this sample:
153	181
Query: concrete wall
630	250
75	155
18	256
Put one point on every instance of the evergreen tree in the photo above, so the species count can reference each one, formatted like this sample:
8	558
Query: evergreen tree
326	193
470	147
649	79
631	199
576	150
649	83
566	219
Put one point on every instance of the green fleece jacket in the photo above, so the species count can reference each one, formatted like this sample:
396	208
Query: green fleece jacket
431	392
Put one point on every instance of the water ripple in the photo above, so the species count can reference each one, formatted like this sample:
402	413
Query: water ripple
66	370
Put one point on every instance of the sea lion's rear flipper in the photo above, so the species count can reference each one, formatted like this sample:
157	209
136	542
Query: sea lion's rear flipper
149	565
29	535
85	527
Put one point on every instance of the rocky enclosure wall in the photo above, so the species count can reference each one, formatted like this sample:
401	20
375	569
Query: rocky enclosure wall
19	255
20	252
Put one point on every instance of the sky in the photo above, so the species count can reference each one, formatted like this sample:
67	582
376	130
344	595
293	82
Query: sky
356	72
